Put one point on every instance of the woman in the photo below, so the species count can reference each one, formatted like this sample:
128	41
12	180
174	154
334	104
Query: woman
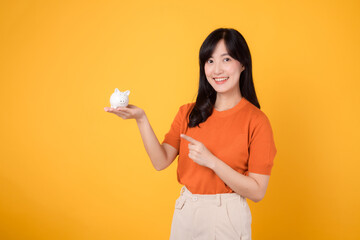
224	142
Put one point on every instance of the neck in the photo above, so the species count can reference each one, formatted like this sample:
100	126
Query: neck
224	102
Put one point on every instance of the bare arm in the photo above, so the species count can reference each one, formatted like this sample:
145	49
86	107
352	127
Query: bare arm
161	155
252	187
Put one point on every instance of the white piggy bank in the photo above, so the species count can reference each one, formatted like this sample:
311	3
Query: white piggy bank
119	99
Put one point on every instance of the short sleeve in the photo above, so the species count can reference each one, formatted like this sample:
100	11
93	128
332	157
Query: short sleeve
173	136
262	148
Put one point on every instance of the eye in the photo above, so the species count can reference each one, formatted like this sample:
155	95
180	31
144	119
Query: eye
227	59
209	61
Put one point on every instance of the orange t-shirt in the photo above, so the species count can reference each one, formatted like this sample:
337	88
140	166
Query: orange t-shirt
241	137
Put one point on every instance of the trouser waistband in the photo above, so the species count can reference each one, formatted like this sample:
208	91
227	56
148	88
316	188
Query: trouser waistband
209	198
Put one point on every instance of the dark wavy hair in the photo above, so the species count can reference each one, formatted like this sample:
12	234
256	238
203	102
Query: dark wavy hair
237	49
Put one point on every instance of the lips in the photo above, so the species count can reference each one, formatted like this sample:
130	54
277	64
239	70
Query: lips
221	80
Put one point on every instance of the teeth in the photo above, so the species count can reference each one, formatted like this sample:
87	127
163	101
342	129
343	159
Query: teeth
220	79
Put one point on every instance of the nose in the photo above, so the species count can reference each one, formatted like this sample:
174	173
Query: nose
218	68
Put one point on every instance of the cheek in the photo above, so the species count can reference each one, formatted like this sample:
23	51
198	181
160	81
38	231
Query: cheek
207	70
233	70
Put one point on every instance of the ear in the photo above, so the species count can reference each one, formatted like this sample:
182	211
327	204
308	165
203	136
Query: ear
127	92
117	90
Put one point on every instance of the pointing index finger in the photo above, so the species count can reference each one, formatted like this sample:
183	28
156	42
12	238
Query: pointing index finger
190	139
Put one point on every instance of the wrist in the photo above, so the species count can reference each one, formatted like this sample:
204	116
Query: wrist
141	119
213	161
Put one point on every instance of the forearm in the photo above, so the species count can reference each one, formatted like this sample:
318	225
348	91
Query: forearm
239	183
152	146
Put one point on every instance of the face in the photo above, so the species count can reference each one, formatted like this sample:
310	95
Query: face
222	71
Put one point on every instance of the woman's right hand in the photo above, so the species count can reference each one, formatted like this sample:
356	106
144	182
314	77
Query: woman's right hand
129	112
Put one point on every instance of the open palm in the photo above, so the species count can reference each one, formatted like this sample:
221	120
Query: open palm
129	112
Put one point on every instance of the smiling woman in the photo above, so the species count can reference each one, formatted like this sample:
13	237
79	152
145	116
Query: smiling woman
224	142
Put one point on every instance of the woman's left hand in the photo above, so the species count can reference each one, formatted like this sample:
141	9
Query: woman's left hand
199	153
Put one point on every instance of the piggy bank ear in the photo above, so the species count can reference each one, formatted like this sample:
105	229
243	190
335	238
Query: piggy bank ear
117	90
127	92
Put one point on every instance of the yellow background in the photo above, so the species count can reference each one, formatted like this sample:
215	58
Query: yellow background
69	170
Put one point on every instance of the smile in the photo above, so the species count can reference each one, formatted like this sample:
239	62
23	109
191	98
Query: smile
221	80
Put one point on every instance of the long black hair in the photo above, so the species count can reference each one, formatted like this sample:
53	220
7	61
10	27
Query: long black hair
237	49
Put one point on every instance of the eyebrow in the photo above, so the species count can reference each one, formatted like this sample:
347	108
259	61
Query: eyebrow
224	54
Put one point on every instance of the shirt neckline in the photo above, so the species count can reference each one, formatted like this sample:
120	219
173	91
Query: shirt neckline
230	111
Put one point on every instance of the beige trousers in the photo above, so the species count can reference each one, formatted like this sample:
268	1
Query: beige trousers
224	216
